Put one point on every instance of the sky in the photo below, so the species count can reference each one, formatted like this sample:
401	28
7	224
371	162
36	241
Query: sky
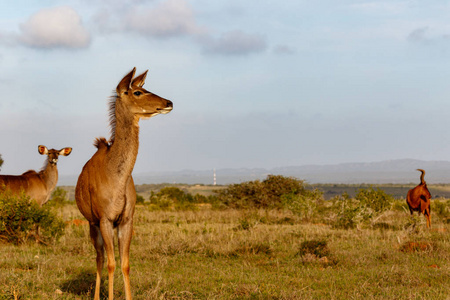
255	84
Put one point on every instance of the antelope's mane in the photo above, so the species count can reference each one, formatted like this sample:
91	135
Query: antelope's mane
112	116
101	141
29	172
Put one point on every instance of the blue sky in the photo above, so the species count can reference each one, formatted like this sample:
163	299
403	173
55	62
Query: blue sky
254	83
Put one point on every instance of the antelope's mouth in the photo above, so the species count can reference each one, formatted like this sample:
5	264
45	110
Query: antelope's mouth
165	110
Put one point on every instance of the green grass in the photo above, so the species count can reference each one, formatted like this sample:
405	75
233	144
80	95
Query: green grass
234	254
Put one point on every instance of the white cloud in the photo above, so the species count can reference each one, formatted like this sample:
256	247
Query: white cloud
169	18
174	19
53	28
236	42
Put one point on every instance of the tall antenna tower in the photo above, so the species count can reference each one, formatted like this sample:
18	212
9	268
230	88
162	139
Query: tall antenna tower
214	176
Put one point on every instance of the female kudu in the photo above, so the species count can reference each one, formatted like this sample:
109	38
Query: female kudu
419	199
36	185
105	191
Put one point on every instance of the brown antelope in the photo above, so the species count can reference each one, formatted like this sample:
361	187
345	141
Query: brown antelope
419	199
36	185
105	191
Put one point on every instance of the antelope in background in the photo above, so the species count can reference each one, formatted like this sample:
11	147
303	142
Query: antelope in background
36	185
419	199
105	192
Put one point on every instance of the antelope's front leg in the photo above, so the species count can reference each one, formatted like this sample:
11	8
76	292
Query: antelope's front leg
107	230
97	240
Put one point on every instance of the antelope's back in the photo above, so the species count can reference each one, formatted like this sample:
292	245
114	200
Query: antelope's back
15	184
89	186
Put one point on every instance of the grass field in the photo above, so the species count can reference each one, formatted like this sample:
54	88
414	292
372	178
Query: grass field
231	254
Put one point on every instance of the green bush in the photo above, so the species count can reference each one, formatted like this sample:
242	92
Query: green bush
20	216
348	212
376	200
441	208
308	205
58	198
260	194
400	205
173	198
139	199
367	204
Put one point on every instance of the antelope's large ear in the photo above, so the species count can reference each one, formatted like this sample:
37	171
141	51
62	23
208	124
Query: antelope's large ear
65	151
140	80
125	83
42	150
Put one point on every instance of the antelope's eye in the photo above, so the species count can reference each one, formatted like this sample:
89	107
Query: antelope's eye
137	93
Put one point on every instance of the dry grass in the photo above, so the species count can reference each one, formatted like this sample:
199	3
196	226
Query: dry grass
233	254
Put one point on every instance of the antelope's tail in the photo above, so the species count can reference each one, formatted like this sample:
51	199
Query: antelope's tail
422	181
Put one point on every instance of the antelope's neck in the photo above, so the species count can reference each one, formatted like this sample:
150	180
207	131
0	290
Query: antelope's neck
49	176
124	149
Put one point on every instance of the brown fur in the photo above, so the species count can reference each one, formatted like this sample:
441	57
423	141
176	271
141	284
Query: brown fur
419	199
105	191
36	185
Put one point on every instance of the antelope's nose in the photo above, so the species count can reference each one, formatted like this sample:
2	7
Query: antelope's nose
169	103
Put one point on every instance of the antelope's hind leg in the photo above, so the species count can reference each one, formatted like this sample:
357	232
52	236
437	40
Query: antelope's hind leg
97	240
427	214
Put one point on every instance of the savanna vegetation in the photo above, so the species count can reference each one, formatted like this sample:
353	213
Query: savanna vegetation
270	239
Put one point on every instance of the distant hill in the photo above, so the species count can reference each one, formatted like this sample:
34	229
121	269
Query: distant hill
389	171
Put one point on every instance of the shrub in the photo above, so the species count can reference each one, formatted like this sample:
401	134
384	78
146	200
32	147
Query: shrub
318	248
441	208
348	213
260	194
367	204
58	198
173	198
307	205
400	205
377	200
19	217
243	195
139	199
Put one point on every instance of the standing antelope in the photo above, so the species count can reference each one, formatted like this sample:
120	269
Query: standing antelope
419	199
105	191
37	186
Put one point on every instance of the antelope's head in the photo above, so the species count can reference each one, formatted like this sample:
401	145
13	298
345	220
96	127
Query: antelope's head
138	100
52	154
